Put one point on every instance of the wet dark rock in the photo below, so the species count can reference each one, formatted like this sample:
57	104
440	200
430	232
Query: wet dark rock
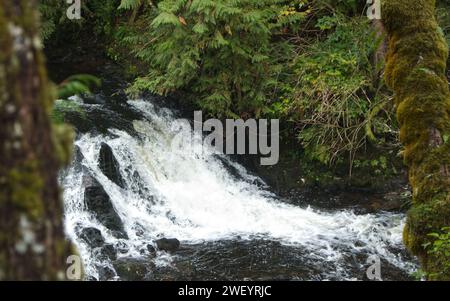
168	244
94	99
109	252
77	158
88	180
95	118
148	251
121	247
109	165
132	269
151	249
105	273
90	278
138	184
264	260
78	120
139	230
359	244
394	201
93	237
99	203
237	260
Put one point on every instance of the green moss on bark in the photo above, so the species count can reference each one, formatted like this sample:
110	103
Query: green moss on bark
415	70
32	241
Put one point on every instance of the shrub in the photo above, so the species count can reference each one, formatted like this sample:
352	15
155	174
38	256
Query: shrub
338	105
220	51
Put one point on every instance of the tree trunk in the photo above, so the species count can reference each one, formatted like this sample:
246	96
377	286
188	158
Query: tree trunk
380	52
32	240
415	70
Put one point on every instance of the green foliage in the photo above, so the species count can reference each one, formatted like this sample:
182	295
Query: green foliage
62	107
348	7
130	4
440	244
52	15
97	16
101	16
337	103
379	165
245	58
419	275
439	247
219	51
77	84
306	62
422	99
73	85
443	16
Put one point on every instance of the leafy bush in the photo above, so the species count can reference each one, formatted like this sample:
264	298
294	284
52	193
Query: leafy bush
440	248
52	14
336	101
97	16
308	63
304	62
77	84
220	51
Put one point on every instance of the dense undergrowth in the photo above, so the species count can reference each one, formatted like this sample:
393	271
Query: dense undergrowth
311	63
305	62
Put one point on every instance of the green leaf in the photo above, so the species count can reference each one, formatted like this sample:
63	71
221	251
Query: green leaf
77	84
129	4
165	18
200	28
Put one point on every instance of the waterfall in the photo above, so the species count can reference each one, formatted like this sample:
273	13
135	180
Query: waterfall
170	189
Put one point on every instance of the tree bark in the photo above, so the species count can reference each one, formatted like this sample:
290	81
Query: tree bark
415	70
32	241
380	53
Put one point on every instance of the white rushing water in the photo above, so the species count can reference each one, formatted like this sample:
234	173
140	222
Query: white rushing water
196	199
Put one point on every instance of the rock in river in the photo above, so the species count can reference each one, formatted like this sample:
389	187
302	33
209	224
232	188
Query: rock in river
98	202
133	269
109	165
168	244
92	236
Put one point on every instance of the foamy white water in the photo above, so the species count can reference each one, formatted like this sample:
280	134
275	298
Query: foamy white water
173	190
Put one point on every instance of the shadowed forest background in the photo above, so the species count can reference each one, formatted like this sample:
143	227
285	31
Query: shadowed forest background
363	104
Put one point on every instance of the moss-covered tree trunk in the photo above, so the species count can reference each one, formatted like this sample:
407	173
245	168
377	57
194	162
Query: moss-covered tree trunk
415	70
32	240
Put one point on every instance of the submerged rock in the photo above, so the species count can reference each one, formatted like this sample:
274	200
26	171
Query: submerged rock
105	273
132	269
98	99
151	249
108	251
168	244
121	247
92	236
109	165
